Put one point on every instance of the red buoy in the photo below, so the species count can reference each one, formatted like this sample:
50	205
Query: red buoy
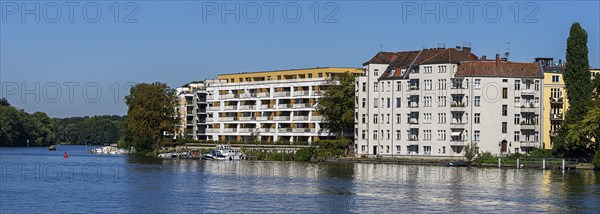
65	155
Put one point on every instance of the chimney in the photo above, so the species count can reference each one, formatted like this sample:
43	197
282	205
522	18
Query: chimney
466	49
483	58
497	60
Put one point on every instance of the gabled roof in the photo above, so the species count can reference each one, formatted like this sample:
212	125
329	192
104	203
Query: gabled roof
402	60
499	68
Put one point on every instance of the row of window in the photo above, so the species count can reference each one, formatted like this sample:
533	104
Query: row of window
442	85
409	149
441	135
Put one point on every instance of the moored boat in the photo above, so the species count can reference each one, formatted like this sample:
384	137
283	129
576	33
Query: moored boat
224	152
52	147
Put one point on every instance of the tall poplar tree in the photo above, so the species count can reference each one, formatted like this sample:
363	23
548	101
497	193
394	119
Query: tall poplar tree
577	74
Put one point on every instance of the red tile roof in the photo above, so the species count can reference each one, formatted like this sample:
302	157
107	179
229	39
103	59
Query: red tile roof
402	60
500	68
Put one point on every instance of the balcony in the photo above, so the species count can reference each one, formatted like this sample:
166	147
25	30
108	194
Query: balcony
247	107
457	90
213	130
457	106
267	130
266	107
317	118
318	93
301	105
301	93
285	130
284	106
246	95
214	108
246	118
457	142
457	124
281	118
527	92
262	118
528	108
229	130
556	100
556	116
228	96
302	130
262	94
413	121
227	119
529	144
300	118
230	108
553	133
281	94
246	130
413	105
413	138
413	87
528	125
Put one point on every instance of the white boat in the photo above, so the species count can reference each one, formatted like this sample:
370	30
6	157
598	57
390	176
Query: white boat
224	152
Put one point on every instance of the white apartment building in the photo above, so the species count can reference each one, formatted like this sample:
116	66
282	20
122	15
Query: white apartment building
435	101
266	106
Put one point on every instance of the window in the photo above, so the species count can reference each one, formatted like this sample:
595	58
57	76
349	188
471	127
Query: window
505	93
364	134
477	118
504	110
428	85
427	150
398	102
517	136
443	150
382	86
364	118
554	78
398	118
517	85
441	134
441	118
375	118
477	83
504	80
364	86
279	77
388	134
427	118
375	103
398	86
398	149
364	102
320	75
517	101
309	75
517	118
375	135
376	72
504	127
398	135
376	87
427	135
382	121
537	85
363	147
388	119
441	101
389	86
477	101
476	135
389	102
427	102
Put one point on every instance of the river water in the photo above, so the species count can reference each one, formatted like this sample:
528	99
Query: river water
35	180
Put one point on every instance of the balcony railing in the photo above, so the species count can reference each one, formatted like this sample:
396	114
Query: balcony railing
529	144
300	117
527	92
413	121
262	118
301	93
246	130
281	94
247	107
213	130
281	118
266	107
230	107
556	116
214	108
458	105
413	105
528	125
303	130
284	106
413	138
246	118
301	105
267	130
285	130
556	100
229	130
413	87
317	118
225	119
262	94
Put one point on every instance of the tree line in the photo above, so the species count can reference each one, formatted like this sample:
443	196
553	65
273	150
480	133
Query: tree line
19	128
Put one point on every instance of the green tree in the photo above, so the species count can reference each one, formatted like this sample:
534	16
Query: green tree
470	151
337	104
4	102
577	73
151	112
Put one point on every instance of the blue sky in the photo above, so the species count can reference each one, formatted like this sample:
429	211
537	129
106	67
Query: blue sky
180	41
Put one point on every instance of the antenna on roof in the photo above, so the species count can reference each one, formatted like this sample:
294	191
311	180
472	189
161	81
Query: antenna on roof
507	53
441	45
381	47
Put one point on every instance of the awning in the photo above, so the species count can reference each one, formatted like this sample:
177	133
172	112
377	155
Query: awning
455	134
